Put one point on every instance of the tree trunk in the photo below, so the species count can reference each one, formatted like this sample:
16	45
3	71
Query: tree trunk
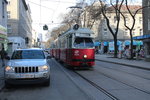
115	47
131	45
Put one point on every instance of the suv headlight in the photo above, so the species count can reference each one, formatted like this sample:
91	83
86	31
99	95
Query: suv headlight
43	68
9	69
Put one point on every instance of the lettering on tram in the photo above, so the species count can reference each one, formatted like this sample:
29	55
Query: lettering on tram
75	47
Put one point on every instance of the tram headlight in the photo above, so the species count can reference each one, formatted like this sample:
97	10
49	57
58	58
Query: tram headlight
85	56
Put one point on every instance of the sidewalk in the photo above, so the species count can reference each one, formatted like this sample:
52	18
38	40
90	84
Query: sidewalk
1	76
133	63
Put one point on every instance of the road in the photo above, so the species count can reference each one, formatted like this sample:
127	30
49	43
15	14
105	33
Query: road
124	83
61	88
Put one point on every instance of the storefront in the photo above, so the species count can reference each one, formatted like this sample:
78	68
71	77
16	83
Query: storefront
97	46
146	44
104	47
3	37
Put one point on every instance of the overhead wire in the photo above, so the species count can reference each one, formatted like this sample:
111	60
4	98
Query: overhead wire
40	5
54	11
59	1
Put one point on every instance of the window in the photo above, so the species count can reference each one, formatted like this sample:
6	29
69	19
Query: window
141	32
3	8
9	29
140	20
115	19
28	54
148	4
83	42
8	14
148	24
70	41
105	32
8	2
127	19
133	32
126	32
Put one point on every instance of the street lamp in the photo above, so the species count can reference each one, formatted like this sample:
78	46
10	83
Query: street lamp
82	10
78	7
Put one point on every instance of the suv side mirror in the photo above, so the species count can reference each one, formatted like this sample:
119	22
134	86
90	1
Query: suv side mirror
7	57
48	57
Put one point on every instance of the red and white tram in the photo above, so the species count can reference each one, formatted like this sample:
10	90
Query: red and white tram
75	47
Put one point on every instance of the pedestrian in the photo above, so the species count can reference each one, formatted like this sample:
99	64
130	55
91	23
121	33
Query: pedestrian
141	53
3	54
137	54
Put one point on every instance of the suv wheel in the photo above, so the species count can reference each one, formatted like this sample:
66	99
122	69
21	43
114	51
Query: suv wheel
7	85
47	83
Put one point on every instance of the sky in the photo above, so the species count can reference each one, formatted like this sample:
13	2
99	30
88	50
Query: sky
50	12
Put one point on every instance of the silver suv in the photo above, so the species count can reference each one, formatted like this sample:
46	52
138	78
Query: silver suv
27	66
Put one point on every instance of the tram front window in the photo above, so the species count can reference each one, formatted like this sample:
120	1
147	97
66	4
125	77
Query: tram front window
83	42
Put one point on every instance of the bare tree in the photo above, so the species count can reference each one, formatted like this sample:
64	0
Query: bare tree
116	6
70	18
91	14
132	13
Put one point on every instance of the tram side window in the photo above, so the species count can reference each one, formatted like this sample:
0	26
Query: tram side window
63	43
70	41
83	42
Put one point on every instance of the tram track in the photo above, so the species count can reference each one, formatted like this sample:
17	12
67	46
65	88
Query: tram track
132	66
100	89
127	72
108	76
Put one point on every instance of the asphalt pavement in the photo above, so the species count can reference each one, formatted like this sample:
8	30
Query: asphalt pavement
142	64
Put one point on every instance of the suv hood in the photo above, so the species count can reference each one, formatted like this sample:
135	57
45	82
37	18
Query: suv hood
27	62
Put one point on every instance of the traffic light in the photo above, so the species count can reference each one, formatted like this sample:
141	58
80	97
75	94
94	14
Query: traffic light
45	27
75	27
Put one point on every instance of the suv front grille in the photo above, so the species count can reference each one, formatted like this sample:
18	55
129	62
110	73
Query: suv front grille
26	69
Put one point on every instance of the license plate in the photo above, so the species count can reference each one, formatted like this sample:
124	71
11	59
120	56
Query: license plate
27	76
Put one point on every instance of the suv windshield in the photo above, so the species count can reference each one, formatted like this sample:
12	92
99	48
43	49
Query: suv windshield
28	54
83	42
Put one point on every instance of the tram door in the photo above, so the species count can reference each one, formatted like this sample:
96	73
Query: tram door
69	49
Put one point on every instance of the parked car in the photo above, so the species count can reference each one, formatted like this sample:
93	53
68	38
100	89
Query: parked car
27	66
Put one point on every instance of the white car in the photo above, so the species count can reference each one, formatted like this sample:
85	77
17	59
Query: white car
27	66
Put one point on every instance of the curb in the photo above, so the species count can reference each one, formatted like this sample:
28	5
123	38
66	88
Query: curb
2	85
135	66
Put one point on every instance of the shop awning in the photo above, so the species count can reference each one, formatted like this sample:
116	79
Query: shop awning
146	36
118	42
105	43
127	42
97	43
3	30
139	43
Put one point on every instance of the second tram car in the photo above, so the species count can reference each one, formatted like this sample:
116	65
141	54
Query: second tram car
75	47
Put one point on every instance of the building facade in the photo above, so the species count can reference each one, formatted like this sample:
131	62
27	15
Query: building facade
19	25
93	18
146	28
123	33
3	24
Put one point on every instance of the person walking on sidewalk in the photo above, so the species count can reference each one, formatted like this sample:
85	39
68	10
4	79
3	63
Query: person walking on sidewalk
3	54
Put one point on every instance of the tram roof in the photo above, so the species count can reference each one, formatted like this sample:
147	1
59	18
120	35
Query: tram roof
79	30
